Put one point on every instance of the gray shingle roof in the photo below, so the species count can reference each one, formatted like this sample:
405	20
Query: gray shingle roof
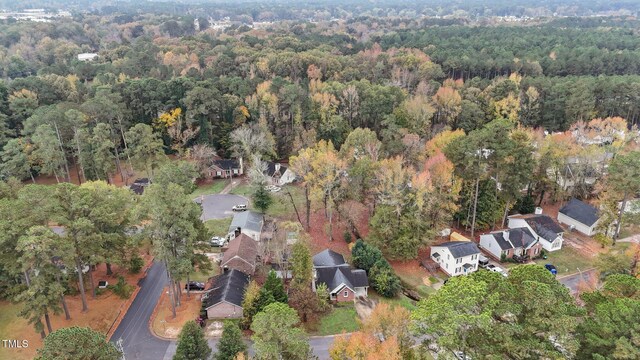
544	226
521	237
271	169
334	276
246	220
504	244
581	212
226	164
228	287
328	258
461	248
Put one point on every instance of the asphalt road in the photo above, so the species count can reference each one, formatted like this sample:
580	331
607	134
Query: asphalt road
572	281
218	206
137	340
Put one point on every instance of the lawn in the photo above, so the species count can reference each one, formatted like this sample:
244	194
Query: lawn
567	261
282	207
342	318
399	300
207	189
218	227
16	328
203	276
243	189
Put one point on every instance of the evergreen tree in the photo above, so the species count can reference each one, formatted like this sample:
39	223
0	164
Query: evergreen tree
275	286
262	198
231	343
301	263
76	343
276	335
191	343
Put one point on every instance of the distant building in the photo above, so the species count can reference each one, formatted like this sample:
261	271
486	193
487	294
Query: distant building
279	174
240	255
87	56
510	243
226	168
249	223
542	227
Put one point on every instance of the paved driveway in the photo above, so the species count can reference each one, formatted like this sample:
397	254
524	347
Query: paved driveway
218	206
573	281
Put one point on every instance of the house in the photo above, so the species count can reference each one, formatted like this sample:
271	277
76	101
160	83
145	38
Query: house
223	299
226	168
343	282
87	56
279	174
542	227
139	185
249	223
456	257
580	216
507	243
240	255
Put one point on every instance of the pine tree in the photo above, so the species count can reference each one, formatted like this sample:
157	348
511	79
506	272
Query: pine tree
231	343
262	198
192	344
275	287
77	343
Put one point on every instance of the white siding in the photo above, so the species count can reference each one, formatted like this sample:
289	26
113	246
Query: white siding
451	265
489	243
548	246
564	219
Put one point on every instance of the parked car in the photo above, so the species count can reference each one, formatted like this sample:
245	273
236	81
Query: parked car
217	241
494	268
239	207
103	284
483	262
521	259
551	269
194	285
272	188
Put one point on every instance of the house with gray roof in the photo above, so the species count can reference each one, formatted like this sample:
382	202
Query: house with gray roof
509	243
224	295
343	282
249	223
279	174
542	227
580	216
456	257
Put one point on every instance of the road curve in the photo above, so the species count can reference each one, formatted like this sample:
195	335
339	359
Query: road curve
139	343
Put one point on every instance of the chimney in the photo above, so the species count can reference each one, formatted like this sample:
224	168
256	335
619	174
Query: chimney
277	167
225	269
538	210
237	231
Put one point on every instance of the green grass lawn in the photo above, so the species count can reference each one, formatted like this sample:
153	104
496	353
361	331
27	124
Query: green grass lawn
568	261
215	187
203	276
399	300
282	207
218	227
342	318
243	189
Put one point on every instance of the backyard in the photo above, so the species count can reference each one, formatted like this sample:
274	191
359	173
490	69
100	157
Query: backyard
568	260
342	318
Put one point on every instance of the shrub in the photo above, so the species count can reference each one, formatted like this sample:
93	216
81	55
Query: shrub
122	289
384	279
347	236
364	255
135	264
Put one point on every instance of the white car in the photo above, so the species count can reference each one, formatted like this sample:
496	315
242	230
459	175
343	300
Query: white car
240	207
272	188
494	268
218	241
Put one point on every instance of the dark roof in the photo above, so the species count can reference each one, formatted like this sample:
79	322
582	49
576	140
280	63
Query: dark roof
544	226
246	220
137	188
243	247
327	258
271	169
521	237
504	244
141	181
228	287
461	248
467	266
580	211
226	164
334	276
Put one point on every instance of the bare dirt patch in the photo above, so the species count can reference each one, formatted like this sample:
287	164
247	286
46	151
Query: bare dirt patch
164	325
353	214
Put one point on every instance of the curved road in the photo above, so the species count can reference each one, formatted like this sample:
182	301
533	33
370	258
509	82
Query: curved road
139	343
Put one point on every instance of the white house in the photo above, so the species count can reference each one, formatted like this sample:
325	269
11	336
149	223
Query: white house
247	222
542	227
507	243
87	56
279	174
456	257
580	216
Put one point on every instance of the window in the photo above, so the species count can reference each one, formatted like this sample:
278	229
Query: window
235	171
218	173
346	293
458	261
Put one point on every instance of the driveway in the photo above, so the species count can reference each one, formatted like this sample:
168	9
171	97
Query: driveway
218	206
573	281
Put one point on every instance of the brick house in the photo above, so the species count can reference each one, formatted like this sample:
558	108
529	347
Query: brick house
223	299
240	255
343	282
507	243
